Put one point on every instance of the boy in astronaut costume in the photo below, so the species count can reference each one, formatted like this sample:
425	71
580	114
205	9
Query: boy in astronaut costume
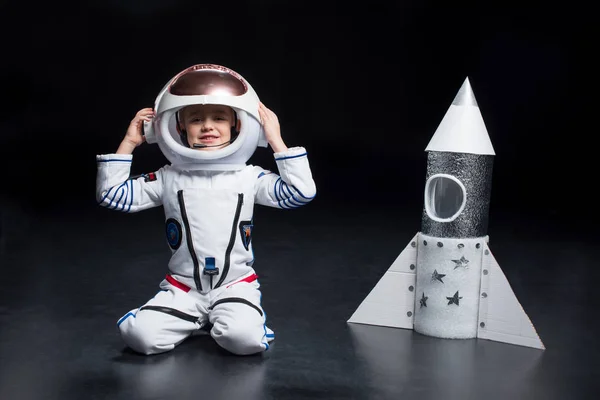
207	121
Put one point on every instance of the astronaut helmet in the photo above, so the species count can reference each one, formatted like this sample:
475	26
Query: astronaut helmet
206	84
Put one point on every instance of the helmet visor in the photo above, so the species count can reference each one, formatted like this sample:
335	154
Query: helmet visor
208	79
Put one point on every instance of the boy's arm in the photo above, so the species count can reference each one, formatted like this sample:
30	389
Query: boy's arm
116	190
293	187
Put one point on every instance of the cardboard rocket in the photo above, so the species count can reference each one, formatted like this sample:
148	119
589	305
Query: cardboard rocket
446	282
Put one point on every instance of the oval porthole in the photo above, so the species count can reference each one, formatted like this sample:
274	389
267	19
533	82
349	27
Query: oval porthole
445	197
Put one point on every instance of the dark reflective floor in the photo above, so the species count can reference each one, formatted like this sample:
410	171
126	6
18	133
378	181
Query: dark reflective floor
66	279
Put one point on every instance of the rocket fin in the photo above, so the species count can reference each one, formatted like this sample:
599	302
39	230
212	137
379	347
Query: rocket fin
392	300
501	316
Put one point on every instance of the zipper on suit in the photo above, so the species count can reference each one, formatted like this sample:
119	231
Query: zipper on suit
189	241
236	219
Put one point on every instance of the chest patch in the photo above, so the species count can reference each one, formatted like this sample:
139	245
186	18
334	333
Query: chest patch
246	233
174	232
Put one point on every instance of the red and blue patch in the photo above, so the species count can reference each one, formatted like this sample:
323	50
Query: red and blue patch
150	177
246	233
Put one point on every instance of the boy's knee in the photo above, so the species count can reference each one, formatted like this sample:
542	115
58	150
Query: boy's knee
143	336
238	339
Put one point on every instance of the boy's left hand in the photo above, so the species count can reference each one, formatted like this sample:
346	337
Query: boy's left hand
271	127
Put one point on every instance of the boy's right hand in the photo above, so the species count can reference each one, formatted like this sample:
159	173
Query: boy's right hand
135	132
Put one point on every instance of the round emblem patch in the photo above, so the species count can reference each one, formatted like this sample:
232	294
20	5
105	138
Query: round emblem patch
173	232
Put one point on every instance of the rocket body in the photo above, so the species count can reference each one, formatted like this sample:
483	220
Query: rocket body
457	195
447	286
446	282
454	223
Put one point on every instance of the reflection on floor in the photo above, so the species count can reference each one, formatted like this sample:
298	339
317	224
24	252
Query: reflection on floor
66	285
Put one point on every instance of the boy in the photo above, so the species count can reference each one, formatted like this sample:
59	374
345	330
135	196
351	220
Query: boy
208	212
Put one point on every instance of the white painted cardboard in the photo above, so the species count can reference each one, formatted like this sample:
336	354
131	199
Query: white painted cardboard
392	300
501	316
391	303
462	129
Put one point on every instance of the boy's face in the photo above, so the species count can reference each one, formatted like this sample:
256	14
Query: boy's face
207	124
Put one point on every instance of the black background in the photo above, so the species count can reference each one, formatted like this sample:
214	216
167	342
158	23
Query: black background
363	87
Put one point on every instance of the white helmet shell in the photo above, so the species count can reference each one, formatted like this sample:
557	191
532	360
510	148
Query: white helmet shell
206	84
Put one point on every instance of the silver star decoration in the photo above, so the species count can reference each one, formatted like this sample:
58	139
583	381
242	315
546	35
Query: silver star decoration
461	263
424	300
454	299
435	276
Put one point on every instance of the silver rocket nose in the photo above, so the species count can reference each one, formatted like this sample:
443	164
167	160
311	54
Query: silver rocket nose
465	95
462	129
459	172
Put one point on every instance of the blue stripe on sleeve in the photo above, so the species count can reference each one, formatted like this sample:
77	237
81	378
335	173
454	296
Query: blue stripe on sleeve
295	202
127	196
125	200
120	197
130	197
290	205
105	196
275	189
114	159
285	185
280	204
300	193
291	194
281	189
294	197
113	197
288	157
286	195
128	200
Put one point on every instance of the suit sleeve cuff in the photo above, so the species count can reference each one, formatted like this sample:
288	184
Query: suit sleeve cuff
292	152
114	157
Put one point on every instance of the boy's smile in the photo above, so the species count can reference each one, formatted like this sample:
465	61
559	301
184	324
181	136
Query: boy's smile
207	125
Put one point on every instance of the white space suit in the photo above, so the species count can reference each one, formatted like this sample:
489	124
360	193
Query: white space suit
208	224
208	217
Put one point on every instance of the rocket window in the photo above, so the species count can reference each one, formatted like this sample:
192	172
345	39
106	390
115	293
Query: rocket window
445	197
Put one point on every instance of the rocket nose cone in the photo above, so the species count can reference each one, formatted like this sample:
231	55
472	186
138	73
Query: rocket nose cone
465	95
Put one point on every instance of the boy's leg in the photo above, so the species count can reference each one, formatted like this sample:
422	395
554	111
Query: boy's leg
163	322
270	334
238	319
